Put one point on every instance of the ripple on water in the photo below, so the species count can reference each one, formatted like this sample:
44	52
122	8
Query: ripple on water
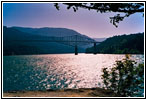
41	72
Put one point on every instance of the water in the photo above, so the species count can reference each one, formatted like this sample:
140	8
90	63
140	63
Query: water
56	71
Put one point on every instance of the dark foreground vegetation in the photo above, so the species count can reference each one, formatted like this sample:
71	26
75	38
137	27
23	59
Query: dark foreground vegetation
123	44
125	78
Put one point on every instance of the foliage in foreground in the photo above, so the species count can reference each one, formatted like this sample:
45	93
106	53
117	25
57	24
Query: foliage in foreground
125	78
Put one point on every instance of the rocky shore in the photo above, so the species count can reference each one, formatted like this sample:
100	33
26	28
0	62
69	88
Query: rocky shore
82	92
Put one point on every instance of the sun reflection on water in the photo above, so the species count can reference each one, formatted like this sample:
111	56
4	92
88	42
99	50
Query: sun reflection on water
41	72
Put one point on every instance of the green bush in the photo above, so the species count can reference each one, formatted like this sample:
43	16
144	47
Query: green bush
125	78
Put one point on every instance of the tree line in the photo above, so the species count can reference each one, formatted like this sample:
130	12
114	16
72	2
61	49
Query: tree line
122	44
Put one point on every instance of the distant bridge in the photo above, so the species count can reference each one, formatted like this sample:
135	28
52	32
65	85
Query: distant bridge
74	40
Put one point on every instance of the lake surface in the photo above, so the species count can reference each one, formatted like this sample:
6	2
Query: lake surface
56	71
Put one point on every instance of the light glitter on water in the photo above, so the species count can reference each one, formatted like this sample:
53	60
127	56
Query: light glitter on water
57	71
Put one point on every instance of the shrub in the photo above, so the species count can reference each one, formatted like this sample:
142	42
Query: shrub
125	78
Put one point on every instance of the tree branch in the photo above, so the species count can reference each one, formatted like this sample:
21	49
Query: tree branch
127	8
105	9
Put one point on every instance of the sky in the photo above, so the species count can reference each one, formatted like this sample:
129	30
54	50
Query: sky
90	23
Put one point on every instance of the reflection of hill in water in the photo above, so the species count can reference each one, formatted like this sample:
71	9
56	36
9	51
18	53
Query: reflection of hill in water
20	33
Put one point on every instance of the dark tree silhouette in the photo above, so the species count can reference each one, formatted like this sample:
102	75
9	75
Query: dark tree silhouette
126	8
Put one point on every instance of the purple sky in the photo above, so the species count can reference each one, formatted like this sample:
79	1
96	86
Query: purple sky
86	22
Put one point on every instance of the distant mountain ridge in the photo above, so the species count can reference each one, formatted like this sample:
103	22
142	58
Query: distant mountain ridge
99	39
47	31
21	33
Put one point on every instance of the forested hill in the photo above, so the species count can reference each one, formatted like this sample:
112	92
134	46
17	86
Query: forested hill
123	44
11	47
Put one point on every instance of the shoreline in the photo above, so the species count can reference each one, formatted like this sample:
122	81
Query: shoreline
81	92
